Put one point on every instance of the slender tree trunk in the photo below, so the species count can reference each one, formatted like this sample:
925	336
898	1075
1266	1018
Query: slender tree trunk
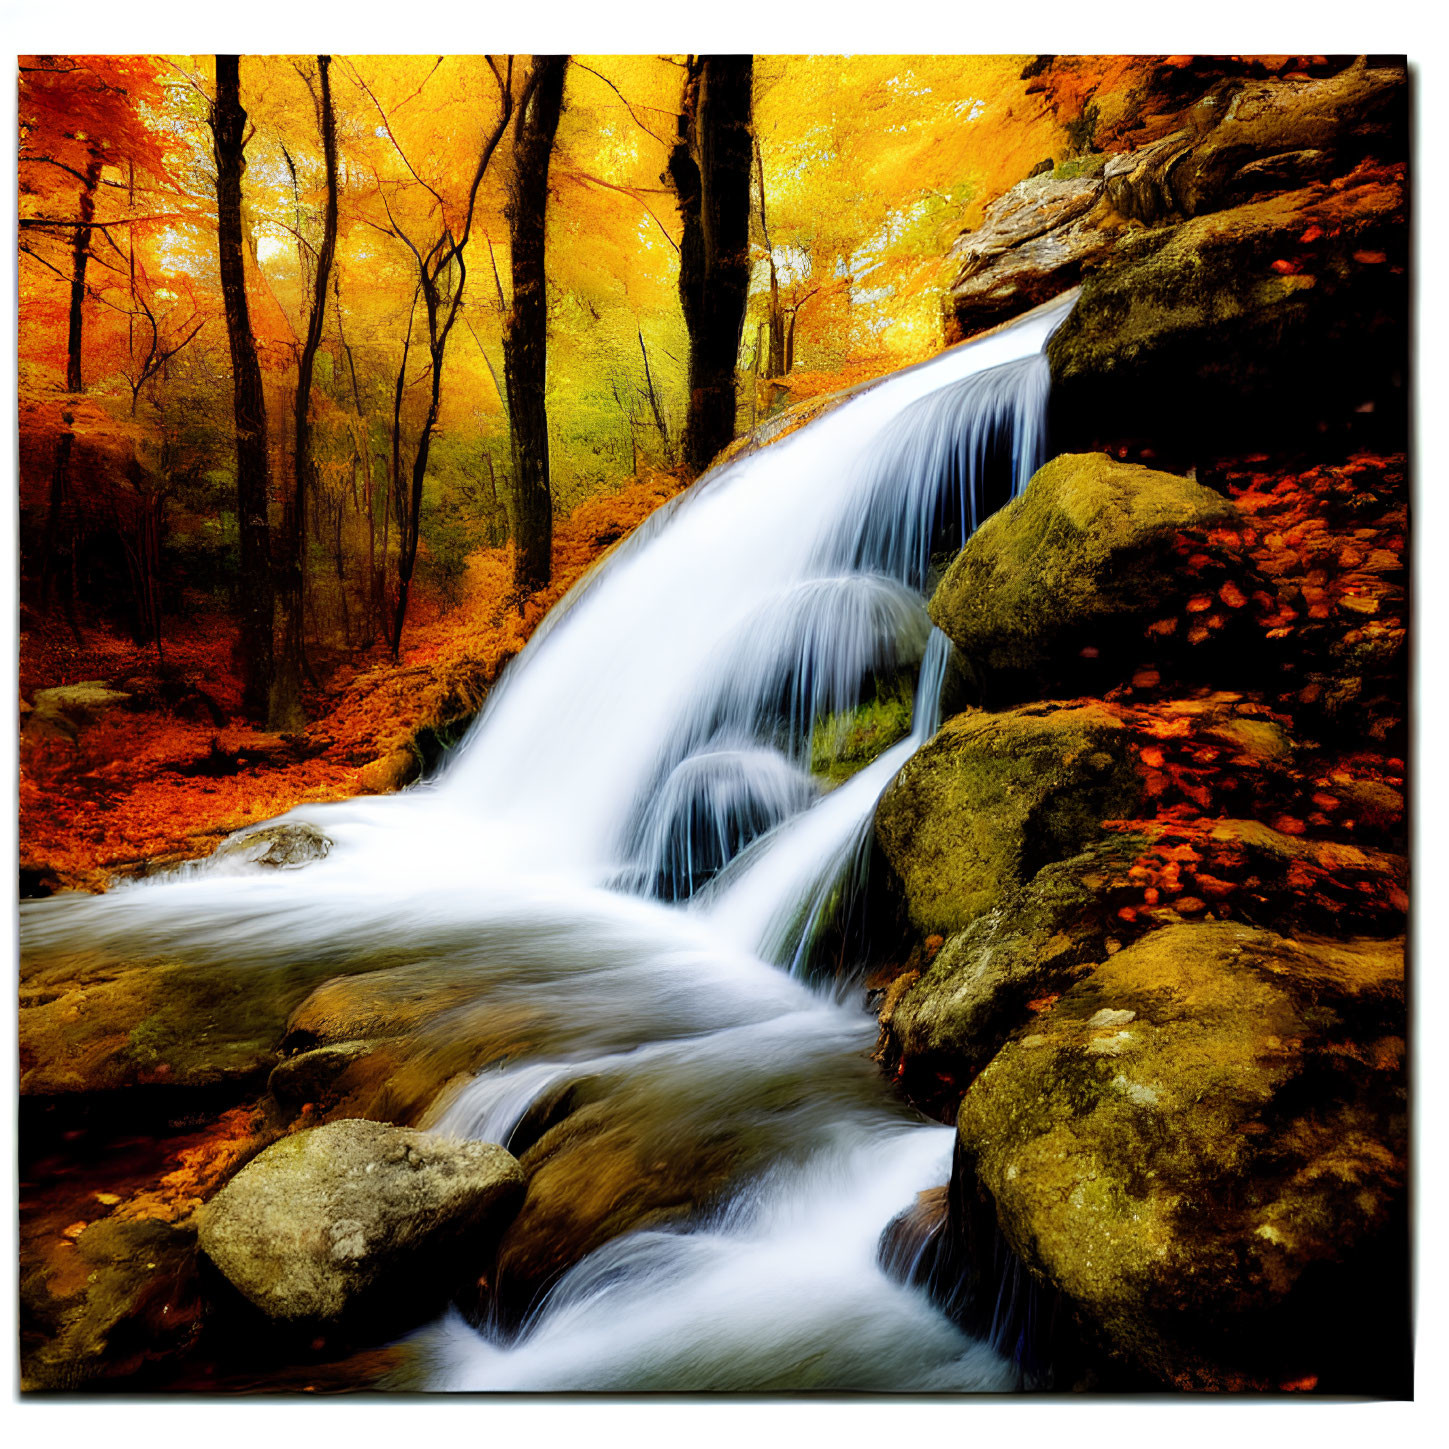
709	168
776	364
525	335
285	705
60	471
248	402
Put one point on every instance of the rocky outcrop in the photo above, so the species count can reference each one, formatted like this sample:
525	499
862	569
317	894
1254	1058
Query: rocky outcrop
1054	592
345	1220
982	806
1241	251
1201	1148
1240	139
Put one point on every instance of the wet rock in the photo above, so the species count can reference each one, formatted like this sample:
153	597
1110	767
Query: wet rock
982	806
844	744
111	1026
313	1075
283	846
1201	1148
1053	592
127	1297
337	1222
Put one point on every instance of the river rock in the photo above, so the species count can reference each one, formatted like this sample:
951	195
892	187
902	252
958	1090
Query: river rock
1054	591
129	1298
991	798
107	1025
282	846
331	1223
1200	1148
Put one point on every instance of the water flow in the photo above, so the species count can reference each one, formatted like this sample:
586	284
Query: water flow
598	892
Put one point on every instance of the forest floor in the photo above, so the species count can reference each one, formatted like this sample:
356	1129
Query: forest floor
171	769
165	774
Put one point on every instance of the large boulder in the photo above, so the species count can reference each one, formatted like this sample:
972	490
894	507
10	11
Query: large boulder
992	798
1200	1149
332	1224
1054	592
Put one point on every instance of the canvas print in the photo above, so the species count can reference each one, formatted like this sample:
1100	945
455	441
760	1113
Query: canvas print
713	723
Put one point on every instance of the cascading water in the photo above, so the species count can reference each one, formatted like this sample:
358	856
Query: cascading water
622	855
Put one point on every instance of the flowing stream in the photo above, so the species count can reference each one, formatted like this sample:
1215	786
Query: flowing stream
626	866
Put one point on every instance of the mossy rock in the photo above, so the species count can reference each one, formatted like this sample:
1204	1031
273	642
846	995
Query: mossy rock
128	1299
1232	331
1053	592
1201	1148
341	1222
116	1026
984	981
992	798
842	745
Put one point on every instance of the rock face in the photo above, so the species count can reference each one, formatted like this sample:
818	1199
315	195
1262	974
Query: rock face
328	1224
1242	264
982	806
1201	1147
1052	591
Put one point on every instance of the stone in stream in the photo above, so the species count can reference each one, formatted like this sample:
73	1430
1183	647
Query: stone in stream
354	1218
281	846
1201	1148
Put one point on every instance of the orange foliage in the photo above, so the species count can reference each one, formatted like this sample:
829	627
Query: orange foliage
120	794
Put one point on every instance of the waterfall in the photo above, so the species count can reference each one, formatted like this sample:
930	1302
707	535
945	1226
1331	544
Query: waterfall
626	861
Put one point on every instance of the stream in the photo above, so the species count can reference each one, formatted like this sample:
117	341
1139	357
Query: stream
627	865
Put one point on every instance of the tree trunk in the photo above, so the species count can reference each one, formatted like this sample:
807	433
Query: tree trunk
525	335
249	407
60	473
284	710
710	171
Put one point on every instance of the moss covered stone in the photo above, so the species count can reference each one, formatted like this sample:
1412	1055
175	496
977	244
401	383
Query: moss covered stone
1055	588
1198	1144
327	1223
986	980
992	798
843	744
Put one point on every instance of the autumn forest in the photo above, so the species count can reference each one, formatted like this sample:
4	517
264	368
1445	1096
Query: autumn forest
314	348
715	723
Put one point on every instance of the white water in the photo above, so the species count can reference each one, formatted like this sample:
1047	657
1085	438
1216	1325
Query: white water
622	856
